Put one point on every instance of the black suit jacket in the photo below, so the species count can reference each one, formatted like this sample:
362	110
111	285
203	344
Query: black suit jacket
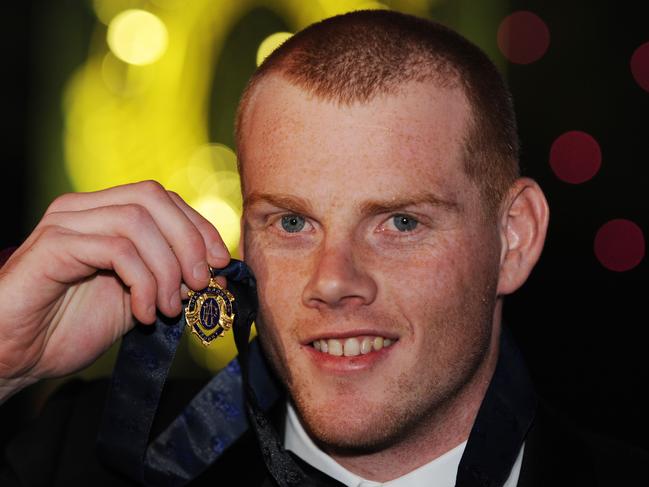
58	449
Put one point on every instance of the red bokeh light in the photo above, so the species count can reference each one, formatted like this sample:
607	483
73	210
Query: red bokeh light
523	37
619	245
640	66
575	157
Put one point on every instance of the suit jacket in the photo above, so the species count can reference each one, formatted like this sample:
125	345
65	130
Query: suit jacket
58	449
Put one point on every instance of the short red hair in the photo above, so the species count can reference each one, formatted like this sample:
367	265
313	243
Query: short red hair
354	57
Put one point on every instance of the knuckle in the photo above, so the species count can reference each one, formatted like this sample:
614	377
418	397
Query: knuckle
48	233
174	196
60	203
136	214
49	219
122	247
152	188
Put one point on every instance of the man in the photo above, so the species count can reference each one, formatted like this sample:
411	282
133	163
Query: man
385	221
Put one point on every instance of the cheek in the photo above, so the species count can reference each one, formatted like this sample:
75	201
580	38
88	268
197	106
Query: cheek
280	280
279	293
451	282
444	302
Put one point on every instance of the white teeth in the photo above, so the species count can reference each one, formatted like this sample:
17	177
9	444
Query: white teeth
352	347
335	347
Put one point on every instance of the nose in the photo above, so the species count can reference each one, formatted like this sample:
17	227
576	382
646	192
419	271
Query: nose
338	279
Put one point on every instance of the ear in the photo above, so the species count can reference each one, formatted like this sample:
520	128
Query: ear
523	225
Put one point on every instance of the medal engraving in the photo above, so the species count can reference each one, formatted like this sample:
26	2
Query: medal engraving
209	312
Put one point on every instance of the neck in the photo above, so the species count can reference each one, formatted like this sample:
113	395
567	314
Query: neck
445	428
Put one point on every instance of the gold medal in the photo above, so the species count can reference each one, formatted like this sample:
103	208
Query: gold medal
210	312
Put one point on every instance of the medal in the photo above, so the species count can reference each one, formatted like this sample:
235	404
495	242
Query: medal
210	312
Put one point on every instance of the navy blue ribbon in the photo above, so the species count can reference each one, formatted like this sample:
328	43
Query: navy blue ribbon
214	419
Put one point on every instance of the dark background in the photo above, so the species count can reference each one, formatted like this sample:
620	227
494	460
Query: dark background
582	327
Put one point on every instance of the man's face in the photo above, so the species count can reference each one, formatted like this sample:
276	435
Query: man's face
361	227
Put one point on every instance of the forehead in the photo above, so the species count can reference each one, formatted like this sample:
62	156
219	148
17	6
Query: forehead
415	136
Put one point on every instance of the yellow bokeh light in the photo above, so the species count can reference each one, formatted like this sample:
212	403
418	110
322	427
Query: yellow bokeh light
225	186
219	157
137	37
222	216
269	44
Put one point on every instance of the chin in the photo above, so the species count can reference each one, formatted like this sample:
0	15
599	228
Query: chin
348	434
351	423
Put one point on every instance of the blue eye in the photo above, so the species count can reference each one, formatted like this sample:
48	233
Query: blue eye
404	223
293	223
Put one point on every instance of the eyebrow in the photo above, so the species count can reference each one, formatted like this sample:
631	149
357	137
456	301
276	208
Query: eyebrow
293	203
395	204
303	206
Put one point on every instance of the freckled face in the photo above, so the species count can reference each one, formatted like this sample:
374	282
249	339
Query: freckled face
360	224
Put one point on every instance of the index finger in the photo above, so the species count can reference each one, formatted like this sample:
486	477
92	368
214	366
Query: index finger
184	238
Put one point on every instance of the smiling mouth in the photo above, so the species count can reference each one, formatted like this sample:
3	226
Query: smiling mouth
352	346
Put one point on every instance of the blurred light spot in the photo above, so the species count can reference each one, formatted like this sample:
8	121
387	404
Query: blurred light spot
640	66
137	37
269	44
225	185
523	37
575	157
222	216
218	157
619	245
211	170
194	182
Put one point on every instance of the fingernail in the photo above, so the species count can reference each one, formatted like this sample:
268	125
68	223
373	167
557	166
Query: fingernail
201	272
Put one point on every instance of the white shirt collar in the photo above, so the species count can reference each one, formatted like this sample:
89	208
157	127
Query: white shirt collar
441	472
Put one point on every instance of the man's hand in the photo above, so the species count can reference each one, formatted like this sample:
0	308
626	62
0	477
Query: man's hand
95	263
